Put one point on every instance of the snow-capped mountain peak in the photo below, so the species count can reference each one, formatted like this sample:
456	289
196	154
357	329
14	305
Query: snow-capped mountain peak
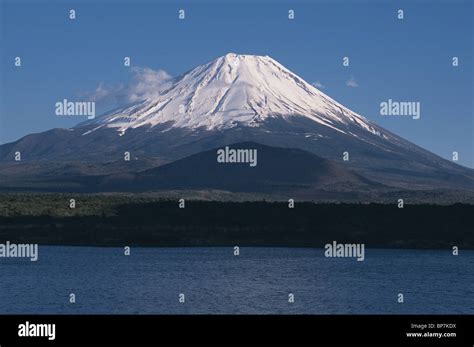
234	89
243	99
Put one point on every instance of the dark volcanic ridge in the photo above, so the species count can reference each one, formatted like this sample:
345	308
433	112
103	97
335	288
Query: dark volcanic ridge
276	170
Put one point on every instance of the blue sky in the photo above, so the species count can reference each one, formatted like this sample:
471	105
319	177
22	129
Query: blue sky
404	60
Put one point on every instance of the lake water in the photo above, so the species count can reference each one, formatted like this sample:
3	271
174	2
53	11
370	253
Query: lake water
257	281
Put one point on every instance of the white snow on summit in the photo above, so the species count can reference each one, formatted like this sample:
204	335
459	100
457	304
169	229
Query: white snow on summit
234	90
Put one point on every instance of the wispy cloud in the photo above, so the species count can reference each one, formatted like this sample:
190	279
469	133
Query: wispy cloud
144	83
318	85
351	82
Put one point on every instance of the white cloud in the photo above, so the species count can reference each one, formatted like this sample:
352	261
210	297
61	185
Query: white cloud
104	93
318	85
351	82
144	83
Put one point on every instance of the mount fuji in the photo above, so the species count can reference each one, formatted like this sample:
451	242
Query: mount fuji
230	91
234	98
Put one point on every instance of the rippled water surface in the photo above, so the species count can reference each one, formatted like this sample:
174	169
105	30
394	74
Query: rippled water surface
259	280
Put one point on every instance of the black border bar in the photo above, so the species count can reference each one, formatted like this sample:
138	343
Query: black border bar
238	329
